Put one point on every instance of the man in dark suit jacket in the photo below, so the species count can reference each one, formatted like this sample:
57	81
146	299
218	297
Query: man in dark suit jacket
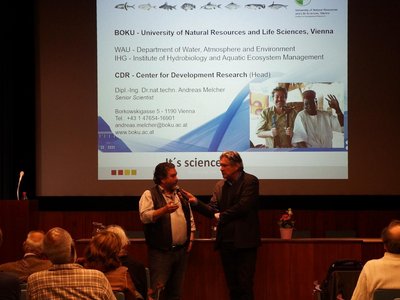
234	204
33	260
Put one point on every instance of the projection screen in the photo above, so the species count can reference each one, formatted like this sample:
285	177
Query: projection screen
182	81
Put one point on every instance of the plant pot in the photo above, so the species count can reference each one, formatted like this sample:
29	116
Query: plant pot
286	233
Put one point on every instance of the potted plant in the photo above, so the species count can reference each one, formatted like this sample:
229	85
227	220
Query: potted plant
286	224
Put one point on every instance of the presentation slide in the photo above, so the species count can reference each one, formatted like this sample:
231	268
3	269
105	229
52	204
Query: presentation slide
183	81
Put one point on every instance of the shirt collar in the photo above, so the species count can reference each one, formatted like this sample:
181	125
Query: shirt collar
30	254
231	182
164	192
392	255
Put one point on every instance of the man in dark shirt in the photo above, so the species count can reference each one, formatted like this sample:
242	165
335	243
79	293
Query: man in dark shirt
234	204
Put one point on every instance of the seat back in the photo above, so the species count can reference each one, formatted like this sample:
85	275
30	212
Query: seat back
119	295
24	293
346	233
147	281
386	294
341	279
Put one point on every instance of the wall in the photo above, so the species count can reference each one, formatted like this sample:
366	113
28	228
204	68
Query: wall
18	217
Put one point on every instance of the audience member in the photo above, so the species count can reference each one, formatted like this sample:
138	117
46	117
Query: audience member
234	204
10	288
382	273
169	230
136	269
66	279
276	123
314	128
102	254
33	260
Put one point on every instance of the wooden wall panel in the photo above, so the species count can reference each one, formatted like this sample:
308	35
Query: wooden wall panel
14	223
18	217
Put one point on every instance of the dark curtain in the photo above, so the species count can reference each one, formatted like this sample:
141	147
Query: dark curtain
17	105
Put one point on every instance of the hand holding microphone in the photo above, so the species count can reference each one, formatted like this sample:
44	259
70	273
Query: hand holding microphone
185	195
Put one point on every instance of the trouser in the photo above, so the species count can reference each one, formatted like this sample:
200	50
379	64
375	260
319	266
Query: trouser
167	270
239	268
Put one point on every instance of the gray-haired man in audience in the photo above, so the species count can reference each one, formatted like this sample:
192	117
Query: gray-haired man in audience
32	261
66	279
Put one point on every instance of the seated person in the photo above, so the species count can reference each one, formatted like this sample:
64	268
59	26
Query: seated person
135	268
66	279
9	283
102	254
382	273
33	260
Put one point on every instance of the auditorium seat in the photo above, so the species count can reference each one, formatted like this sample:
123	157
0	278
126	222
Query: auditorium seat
119	295
135	234
301	234
147	281
346	233
340	285
24	293
387	294
340	281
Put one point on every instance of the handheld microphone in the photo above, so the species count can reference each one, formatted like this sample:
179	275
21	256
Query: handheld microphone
21	174
181	194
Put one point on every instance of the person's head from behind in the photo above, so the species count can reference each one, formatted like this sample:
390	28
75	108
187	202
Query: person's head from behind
165	175
120	232
231	164
391	237
309	101
103	252
34	242
59	247
280	95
